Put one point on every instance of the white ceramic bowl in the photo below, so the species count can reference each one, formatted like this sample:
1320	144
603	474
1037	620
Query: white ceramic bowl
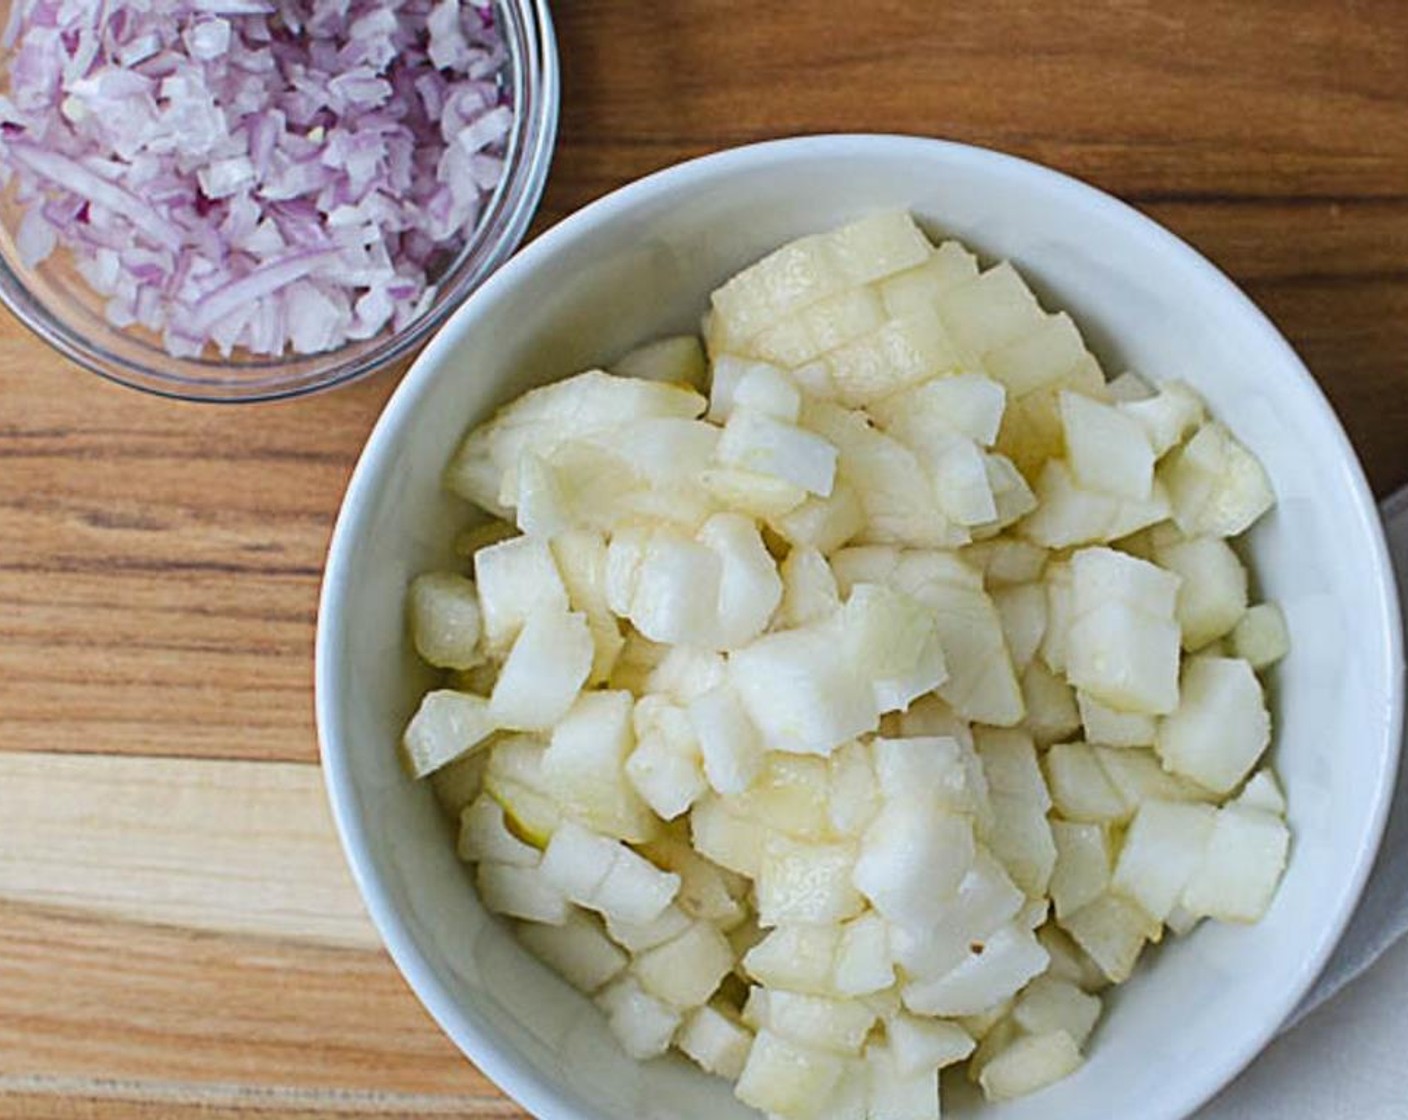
640	263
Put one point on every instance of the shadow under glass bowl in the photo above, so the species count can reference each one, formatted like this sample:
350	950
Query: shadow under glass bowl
55	302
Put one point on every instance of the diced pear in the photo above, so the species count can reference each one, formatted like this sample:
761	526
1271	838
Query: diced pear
755	441
806	882
639	658
725	375
919	288
986	900
809	591
458	783
1161	851
1012	498
899	1096
878	245
1125	657
999	1031
485	838
1051	1004
1263	792
791	796
634	891
1031	431
938	765
750	588
1138	777
1260	637
981	685
520	892
679	358
1082	871
1010	765
1021	840
1069	961
1050	703
966	404
676	590
902	352
580	556
798	958
707	891
642	1024
515	578
1060	613
514	778
1006	561
784	281
918	1044
584	766
1080	788
665	767
882	472
1221	726
912	858
820	327
1030	1063
685	672
824	524
550	661
787	1079
1105	575
577	861
768	391
685	972
1213	594
872	563
854	793
1113	728
577	951
1112	930
1108	451
990	311
863	962
715	1042
1022	609
543	417
445	621
835	1025
992	970
638	937
1216	485
896	639
960	473
1039	357
1241	866
802	692
446	726
624	554
729	839
729	744
763	497
1067	514
1168	415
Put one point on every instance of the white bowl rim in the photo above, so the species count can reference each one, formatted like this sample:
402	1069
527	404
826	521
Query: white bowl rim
501	1064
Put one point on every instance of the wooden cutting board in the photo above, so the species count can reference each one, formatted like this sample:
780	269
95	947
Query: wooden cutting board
178	935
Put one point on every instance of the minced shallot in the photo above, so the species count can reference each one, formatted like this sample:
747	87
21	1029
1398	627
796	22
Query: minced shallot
268	175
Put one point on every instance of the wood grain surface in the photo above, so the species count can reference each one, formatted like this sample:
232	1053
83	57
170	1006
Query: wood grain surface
178	937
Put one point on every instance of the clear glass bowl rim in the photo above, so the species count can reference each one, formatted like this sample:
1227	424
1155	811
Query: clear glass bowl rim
111	353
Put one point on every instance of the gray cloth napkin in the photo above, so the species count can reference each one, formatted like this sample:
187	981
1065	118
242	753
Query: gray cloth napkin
1382	917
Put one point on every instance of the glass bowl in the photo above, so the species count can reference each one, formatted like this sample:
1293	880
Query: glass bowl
55	302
